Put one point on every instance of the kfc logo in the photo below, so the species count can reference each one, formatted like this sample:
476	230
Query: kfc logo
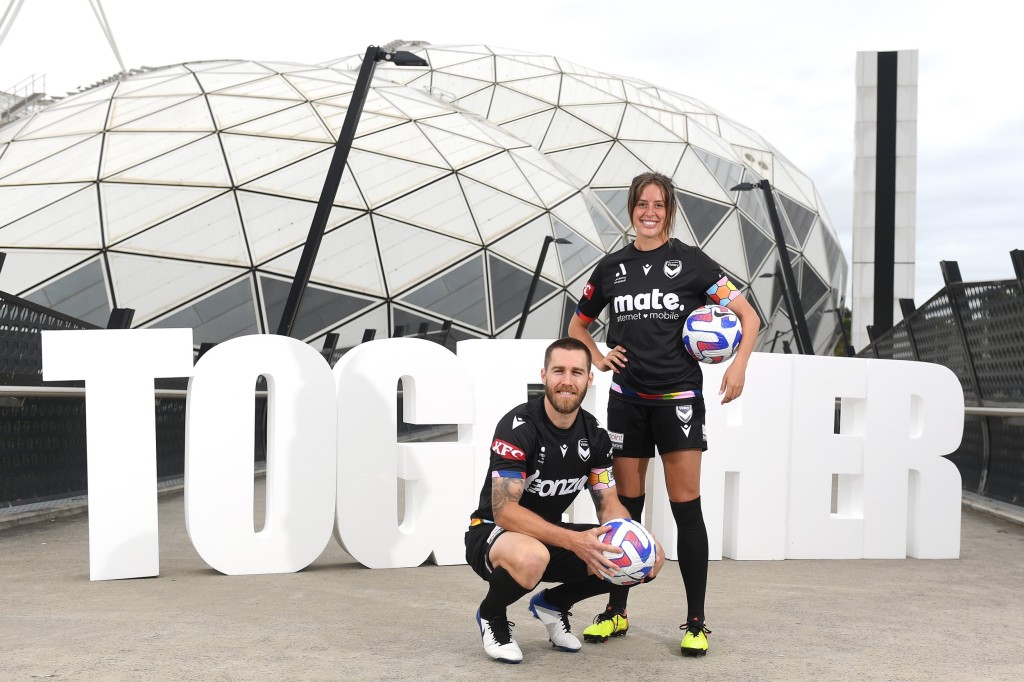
588	291
507	450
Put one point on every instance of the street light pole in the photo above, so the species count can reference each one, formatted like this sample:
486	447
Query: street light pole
847	346
533	282
789	291
342	147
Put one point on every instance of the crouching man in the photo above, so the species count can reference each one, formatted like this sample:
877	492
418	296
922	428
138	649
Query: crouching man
544	452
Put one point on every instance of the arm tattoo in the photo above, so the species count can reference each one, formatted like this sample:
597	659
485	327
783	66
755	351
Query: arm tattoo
600	497
504	491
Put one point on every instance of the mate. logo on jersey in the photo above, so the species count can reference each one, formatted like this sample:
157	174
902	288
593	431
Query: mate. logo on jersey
588	291
673	268
507	450
583	447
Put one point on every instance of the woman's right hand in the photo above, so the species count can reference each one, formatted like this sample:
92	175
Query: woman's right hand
615	360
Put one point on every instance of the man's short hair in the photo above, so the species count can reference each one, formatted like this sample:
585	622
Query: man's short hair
567	343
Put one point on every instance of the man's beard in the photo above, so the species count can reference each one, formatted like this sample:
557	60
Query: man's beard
566	405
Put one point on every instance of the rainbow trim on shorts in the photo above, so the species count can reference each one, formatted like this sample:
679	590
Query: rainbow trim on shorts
722	292
630	393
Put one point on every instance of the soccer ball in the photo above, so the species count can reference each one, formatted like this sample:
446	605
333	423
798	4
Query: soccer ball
712	334
638	551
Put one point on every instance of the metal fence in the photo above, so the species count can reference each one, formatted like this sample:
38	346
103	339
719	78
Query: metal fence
42	426
976	329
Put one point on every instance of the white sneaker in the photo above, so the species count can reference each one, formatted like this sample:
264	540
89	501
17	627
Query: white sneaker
557	623
498	642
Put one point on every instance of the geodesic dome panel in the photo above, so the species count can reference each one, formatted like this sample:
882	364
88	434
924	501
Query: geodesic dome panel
187	192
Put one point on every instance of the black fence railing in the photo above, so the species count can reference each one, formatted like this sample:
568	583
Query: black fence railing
976	329
43	439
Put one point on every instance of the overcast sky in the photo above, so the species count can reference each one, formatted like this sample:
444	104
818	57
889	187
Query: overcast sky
786	69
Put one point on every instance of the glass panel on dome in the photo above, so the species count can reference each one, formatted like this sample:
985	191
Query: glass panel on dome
549	184
606	227
411	254
581	163
126	109
703	215
404	141
576	256
615	200
693	176
812	288
508	104
298	122
128	209
275	87
305	180
835	252
192	114
568	131
212	81
509	286
662	157
756	244
59	159
522	247
544	88
575	91
502	173
496	213
440	206
163	85
459	294
728	174
458	150
412	323
230	110
480	67
619	168
211	231
639	126
274	224
799	217
320	309
224	315
88	118
154	286
18	201
124	150
382	178
81	293
250	156
199	163
449	87
72	222
604	117
318	88
26	268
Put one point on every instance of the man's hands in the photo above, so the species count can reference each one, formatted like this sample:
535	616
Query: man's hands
587	546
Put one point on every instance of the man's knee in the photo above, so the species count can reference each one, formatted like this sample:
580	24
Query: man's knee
526	563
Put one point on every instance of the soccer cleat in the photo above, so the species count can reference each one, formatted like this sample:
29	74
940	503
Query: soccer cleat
611	623
497	637
557	623
695	640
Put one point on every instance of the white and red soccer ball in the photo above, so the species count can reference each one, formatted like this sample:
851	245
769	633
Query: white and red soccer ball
712	334
638	551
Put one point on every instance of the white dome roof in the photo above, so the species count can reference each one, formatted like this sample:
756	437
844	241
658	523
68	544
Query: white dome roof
187	192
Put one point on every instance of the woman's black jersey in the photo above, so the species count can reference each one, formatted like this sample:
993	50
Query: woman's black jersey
650	294
554	464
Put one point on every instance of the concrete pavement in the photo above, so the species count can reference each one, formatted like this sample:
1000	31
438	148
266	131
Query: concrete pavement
787	620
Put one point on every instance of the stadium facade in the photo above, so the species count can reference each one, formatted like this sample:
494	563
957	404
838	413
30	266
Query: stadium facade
186	193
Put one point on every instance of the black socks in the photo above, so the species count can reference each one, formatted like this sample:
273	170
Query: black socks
692	548
504	590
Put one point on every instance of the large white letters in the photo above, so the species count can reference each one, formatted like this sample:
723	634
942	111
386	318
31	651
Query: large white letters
333	458
119	366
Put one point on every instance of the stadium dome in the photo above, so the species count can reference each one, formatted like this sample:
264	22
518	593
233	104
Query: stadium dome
186	193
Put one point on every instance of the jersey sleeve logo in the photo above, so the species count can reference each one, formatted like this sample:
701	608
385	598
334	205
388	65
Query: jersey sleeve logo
507	451
588	291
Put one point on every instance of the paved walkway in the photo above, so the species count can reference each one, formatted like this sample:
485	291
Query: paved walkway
804	620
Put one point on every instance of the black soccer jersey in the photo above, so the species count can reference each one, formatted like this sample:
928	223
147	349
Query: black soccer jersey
650	294
555	464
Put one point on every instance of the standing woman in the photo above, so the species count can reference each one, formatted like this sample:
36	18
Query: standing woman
656	394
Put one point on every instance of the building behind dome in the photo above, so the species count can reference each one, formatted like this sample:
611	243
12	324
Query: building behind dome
186	193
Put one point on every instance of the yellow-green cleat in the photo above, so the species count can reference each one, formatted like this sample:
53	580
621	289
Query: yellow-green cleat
611	623
695	640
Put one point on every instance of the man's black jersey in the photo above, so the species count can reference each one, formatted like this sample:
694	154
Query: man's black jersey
650	294
554	464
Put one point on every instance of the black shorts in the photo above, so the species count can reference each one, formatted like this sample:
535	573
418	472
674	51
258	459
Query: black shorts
563	567
635	429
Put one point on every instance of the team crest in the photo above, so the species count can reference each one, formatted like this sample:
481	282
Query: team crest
673	268
685	413
583	447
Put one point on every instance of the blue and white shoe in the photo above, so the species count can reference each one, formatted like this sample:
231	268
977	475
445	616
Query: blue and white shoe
557	623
